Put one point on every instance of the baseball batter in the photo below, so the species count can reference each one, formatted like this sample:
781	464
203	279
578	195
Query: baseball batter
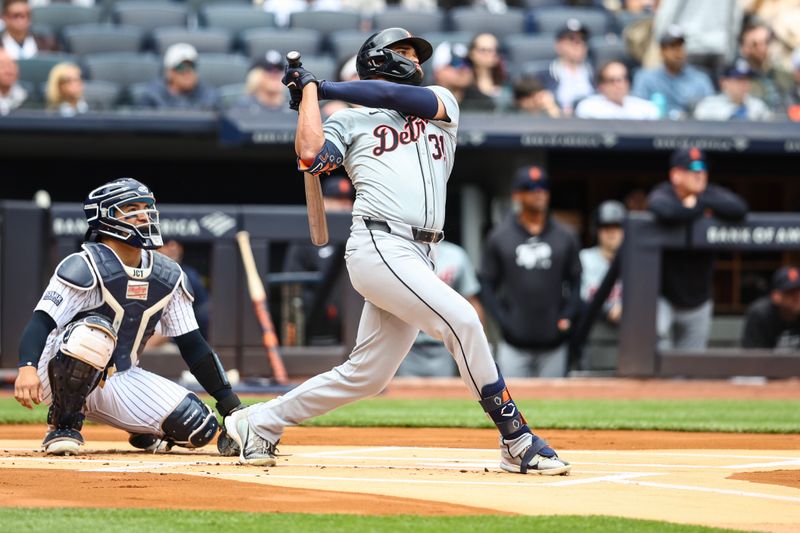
398	149
80	351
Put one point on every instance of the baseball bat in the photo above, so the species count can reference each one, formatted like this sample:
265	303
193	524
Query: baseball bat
317	223
259	297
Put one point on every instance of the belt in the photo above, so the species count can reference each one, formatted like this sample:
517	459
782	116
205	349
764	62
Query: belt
419	234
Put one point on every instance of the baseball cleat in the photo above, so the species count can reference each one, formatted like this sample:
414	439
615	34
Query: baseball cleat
62	442
529	454
150	443
254	450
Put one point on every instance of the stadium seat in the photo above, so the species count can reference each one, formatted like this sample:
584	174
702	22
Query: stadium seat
439	37
550	19
323	67
91	38
325	22
59	16
417	22
605	48
235	18
222	69
36	69
196	6
123	68
256	42
470	19
150	15
531	68
522	47
205	40
229	95
345	44
101	95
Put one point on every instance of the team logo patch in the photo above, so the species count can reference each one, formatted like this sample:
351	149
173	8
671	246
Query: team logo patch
137	290
53	297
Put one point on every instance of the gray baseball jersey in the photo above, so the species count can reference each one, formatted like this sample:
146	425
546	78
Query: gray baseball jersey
135	400
399	166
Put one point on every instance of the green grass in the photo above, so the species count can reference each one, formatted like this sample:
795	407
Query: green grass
745	416
127	520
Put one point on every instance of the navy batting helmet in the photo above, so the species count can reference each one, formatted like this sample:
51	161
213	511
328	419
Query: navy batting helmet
374	59
105	213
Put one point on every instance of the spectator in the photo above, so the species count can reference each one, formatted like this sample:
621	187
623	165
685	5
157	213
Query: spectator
773	321
490	72
347	72
675	87
325	329
17	38
180	88
531	97
11	94
595	261
530	281
64	92
429	357
264	90
734	102
782	17
770	84
685	306
452	70
794	96
613	100
569	76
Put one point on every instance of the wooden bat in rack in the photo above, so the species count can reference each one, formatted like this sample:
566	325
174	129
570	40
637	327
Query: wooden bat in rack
259	297
317	223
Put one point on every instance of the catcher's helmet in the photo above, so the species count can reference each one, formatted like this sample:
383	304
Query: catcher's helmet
375	59
104	204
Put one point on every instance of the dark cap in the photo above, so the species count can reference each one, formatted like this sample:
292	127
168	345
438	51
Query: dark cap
672	35
531	178
338	188
611	213
691	158
271	60
786	279
739	69
572	25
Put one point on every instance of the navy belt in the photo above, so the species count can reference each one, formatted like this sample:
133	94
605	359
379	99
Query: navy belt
425	235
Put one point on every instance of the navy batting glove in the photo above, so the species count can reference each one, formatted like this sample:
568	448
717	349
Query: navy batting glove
295	96
297	78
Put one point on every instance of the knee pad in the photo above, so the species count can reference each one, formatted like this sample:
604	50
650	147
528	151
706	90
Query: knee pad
192	424
91	339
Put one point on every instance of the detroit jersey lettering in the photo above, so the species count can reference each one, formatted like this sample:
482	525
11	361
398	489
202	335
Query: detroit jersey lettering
399	164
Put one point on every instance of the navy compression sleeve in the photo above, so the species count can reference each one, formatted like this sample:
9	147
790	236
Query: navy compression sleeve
408	99
34	338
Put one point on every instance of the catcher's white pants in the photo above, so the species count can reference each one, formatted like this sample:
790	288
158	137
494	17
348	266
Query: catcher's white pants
403	295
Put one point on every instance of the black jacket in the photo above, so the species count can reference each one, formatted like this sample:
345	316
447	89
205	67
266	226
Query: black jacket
530	282
686	274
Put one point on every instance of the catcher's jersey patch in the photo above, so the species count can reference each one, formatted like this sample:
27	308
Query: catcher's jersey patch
137	290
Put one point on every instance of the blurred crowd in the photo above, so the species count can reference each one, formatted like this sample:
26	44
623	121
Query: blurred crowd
610	59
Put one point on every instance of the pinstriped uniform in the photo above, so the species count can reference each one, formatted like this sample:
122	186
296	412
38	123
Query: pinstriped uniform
135	400
400	167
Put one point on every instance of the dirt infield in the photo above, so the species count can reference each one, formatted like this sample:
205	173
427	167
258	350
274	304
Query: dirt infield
717	479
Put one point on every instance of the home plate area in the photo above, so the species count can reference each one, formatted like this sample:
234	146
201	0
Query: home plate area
687	486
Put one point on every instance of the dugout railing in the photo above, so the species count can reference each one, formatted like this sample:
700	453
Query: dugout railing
645	240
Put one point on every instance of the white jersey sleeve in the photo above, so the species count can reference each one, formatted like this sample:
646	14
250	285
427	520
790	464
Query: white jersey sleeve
451	106
63	302
178	317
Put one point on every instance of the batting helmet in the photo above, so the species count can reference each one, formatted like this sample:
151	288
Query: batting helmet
375	59
105	204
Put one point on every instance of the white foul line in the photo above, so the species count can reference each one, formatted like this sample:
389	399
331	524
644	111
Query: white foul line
707	489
